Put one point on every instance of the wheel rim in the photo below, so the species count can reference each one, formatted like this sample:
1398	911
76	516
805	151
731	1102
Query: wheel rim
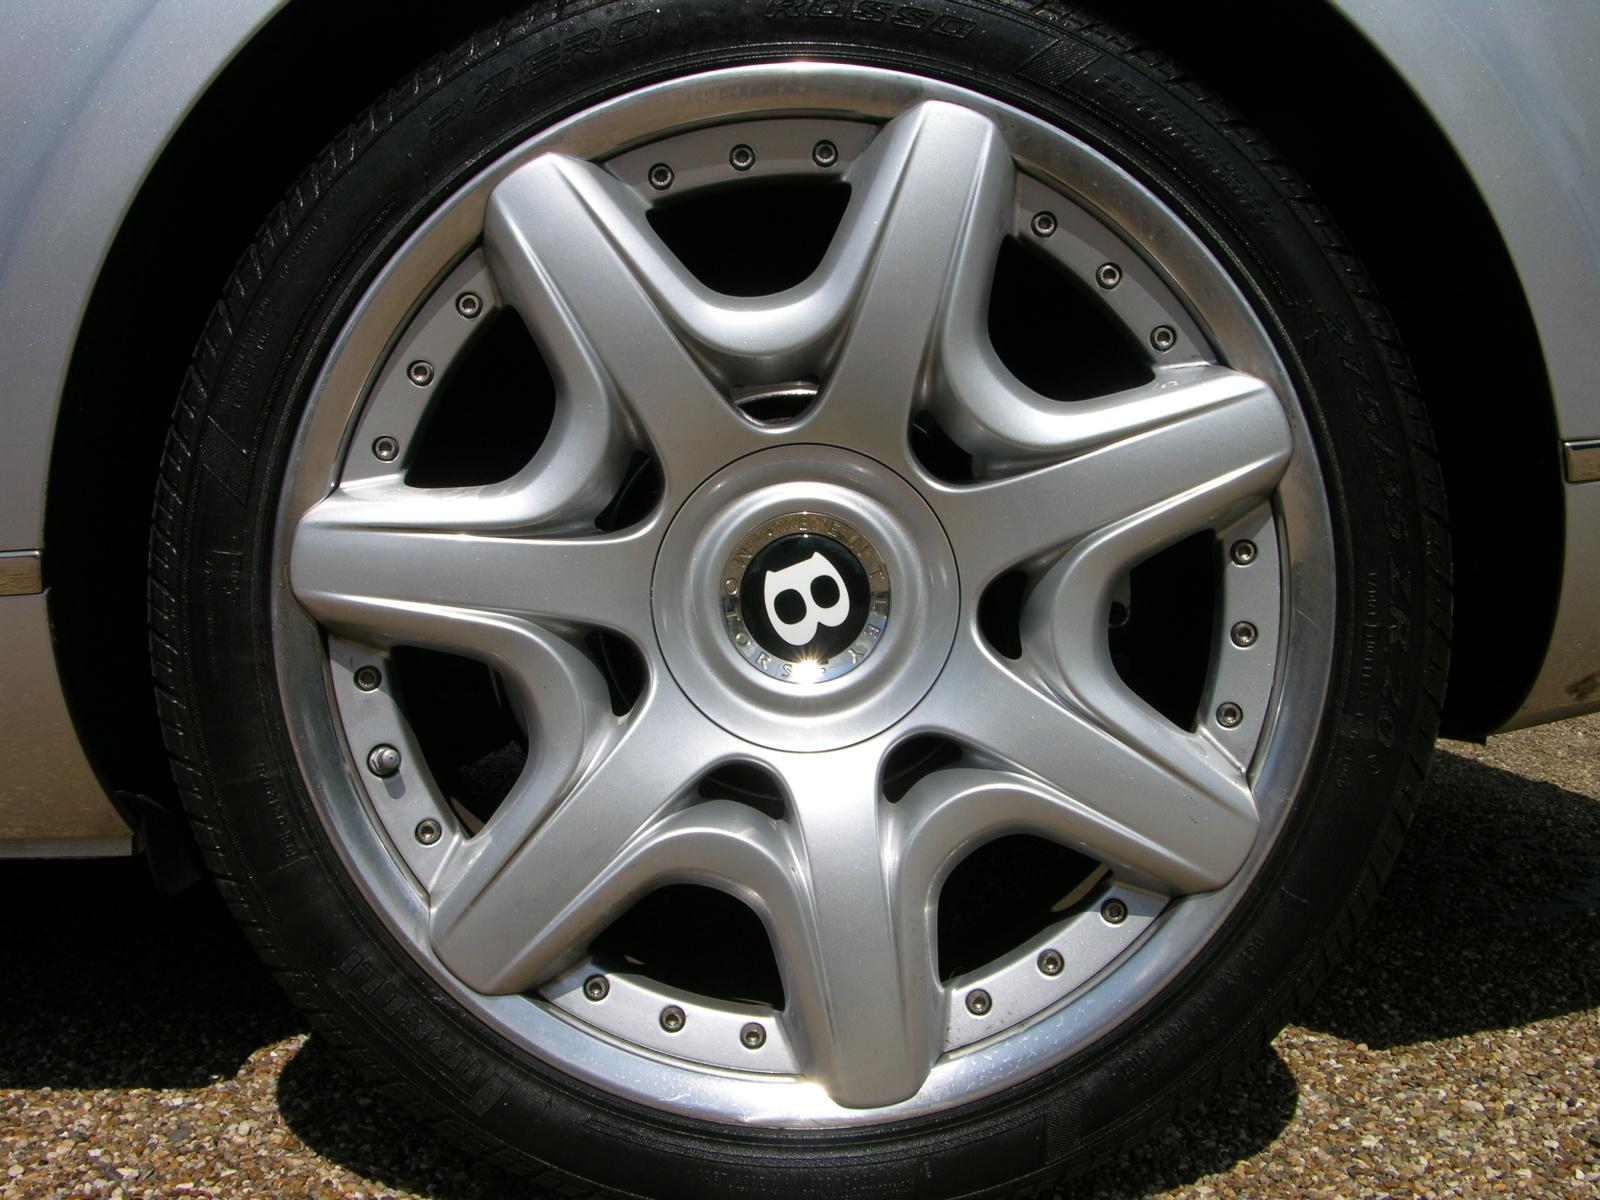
846	883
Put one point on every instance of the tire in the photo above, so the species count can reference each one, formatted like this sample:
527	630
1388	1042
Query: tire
303	730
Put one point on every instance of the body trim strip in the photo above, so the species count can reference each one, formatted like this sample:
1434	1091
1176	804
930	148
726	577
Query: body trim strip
1583	461
21	573
67	847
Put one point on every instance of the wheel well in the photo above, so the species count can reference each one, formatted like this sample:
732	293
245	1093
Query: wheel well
246	140
1443	270
1373	154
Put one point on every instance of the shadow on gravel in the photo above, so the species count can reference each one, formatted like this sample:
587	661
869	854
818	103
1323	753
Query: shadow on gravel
1238	1123
109	984
335	1111
1491	920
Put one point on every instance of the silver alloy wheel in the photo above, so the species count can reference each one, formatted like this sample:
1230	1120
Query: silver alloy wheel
645	357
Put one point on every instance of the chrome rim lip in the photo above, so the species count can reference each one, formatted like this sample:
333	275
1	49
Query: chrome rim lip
1303	528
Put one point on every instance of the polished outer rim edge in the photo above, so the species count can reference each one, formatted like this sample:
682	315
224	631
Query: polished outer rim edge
852	92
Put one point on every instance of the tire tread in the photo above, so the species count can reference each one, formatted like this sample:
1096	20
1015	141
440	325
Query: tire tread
181	460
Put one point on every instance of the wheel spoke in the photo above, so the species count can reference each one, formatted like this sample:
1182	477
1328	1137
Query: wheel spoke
572	250
950	812
1165	806
1064	626
558	856
936	190
383	571
1186	454
863	979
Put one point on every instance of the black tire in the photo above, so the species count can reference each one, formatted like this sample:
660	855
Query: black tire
212	570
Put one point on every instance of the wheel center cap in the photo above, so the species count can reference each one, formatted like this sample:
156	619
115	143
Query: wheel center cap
805	598
771	597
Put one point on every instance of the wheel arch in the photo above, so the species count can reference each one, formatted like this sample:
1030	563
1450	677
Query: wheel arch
148	306
1348	120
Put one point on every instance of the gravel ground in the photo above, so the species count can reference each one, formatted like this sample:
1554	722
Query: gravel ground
143	1052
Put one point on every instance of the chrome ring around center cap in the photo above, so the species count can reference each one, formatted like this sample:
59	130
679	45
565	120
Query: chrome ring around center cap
878	525
805	598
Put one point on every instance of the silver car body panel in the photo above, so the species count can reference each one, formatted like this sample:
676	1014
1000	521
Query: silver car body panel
94	90
51	798
1511	84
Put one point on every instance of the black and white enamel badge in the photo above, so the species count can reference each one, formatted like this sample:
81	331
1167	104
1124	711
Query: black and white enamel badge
805	598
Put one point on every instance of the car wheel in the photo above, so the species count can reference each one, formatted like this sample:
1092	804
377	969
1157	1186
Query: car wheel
746	600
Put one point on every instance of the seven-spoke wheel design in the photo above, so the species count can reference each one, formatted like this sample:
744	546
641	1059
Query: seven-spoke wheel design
835	541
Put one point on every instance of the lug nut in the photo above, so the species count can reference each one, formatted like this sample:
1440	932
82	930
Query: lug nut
420	373
469	305
825	154
1044	224
1244	634
1114	911
368	679
384	761
661	177
597	987
1051	963
428	831
978	1002
1229	715
672	1018
385	449
741	157
1108	276
753	1036
1163	338
1243	553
